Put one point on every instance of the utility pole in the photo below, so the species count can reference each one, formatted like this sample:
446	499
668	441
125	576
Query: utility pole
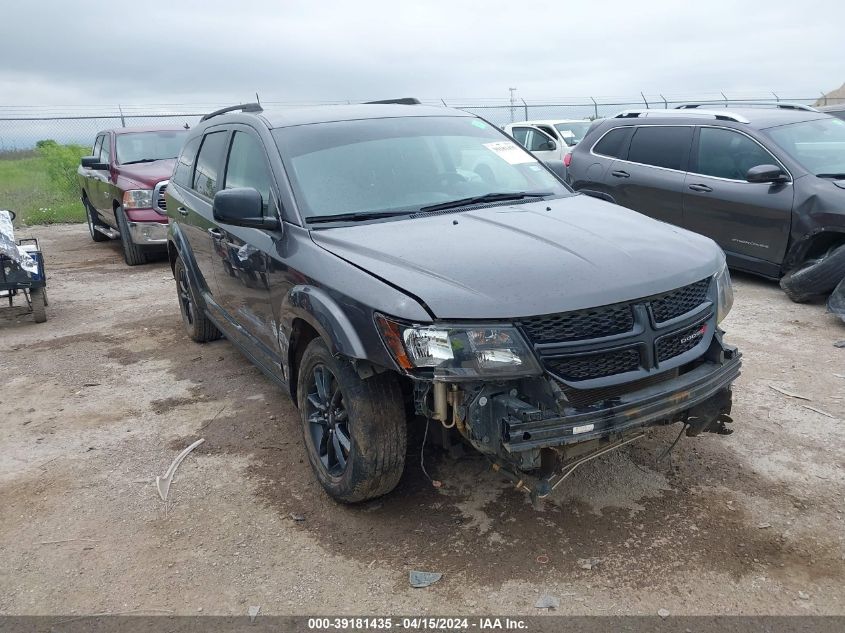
513	101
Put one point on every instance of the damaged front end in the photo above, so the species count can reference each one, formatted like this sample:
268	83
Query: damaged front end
544	394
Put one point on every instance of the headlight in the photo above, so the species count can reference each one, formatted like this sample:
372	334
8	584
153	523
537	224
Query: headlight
459	352
138	199
724	293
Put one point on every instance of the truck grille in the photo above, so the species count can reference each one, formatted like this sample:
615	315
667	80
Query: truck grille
674	304
595	365
570	343
577	326
159	200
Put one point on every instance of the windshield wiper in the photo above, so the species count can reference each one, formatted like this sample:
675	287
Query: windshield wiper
487	197
354	217
832	176
142	160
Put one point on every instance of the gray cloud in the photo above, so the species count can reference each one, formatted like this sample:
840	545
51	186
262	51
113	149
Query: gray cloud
55	52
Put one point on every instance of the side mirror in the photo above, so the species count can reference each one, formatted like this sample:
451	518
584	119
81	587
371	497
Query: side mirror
766	173
548	146
93	162
242	206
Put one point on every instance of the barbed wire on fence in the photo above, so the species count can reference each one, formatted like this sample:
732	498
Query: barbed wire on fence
21	127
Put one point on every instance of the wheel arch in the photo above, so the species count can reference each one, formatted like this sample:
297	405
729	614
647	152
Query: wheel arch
813	245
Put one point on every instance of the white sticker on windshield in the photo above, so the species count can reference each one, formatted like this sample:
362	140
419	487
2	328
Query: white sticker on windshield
567	134
510	153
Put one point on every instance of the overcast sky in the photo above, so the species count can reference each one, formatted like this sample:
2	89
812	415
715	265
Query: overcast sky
177	51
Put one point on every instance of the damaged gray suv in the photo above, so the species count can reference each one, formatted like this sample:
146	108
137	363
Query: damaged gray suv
392	264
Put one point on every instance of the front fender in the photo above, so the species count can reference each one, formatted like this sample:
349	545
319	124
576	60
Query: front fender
317	308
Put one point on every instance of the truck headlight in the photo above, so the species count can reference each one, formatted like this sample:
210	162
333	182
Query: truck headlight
138	199
456	352
724	293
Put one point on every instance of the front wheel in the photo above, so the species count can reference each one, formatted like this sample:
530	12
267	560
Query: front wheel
816	277
354	429
132	253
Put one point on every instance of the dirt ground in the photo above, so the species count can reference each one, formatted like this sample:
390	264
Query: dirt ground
99	400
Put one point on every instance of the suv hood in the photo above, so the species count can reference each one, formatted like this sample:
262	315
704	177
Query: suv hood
523	260
147	174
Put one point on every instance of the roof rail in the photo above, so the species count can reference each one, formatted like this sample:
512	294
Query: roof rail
720	115
400	101
243	107
783	105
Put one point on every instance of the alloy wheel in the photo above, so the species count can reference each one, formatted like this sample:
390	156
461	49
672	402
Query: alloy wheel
186	302
328	421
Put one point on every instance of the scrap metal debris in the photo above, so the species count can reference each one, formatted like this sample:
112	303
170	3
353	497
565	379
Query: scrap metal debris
420	579
163	483
764	526
663	613
839	344
253	613
789	393
547	602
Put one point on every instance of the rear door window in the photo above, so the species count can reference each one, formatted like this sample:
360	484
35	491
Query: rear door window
724	153
661	146
613	143
184	171
209	161
521	135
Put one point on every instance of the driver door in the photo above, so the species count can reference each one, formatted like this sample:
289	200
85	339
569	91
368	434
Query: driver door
543	146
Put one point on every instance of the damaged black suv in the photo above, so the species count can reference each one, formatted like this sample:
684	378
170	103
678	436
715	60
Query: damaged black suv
392	263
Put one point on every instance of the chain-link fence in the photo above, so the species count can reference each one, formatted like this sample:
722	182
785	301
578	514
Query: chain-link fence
22	127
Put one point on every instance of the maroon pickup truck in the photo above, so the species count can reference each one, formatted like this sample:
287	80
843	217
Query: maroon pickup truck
122	187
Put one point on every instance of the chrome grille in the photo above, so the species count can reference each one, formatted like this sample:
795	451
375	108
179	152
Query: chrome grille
159	200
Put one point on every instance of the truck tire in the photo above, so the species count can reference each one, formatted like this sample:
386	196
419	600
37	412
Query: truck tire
38	299
132	253
198	326
815	277
93	221
354	428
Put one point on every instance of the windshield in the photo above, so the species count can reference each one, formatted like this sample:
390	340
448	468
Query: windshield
377	166
818	146
149	146
573	132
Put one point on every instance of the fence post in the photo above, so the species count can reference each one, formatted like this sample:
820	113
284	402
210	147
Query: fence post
777	98
595	107
443	101
122	120
725	98
824	97
665	103
526	107
644	101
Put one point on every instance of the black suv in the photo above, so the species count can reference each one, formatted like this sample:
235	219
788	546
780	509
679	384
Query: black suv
766	183
389	262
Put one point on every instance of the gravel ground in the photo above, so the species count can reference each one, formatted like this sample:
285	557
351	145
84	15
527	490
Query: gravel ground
99	400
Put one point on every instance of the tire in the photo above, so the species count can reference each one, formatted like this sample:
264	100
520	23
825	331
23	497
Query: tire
364	437
132	253
93	221
815	277
198	326
38	299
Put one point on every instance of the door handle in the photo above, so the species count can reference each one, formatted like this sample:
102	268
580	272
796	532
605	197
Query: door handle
702	188
620	174
182	211
215	233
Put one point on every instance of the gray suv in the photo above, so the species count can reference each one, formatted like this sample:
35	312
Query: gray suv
767	184
389	264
